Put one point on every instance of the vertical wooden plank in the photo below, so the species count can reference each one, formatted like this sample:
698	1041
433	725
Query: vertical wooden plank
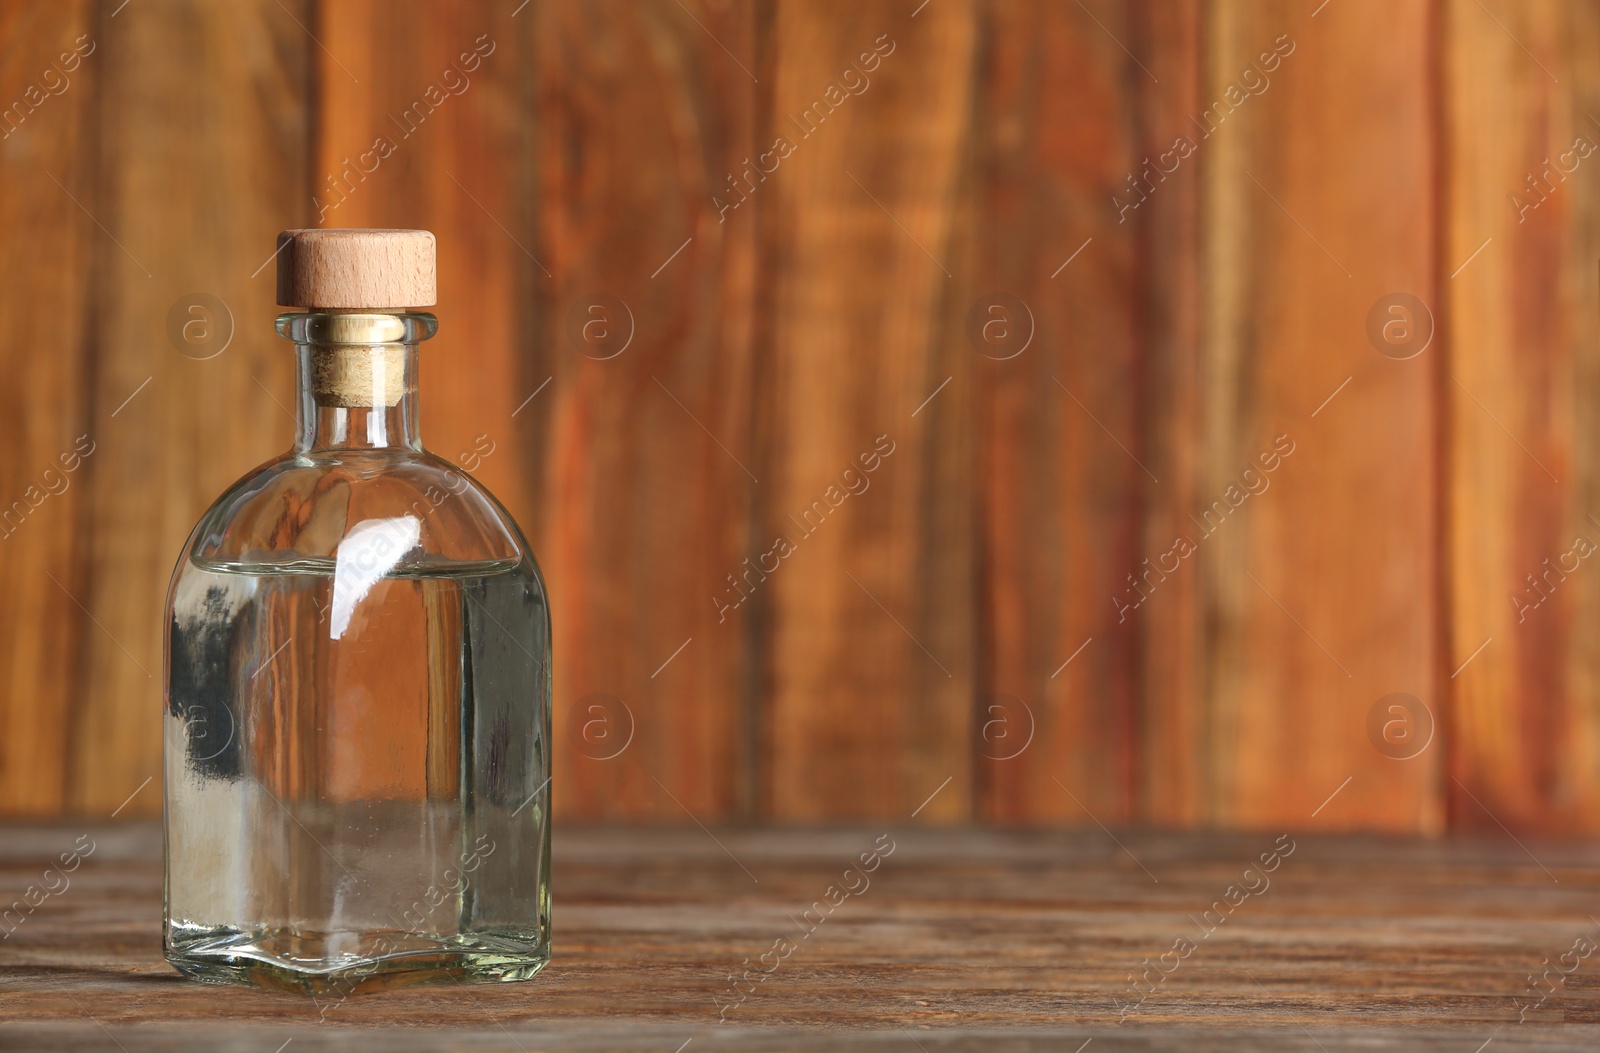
47	89
1172	629
1061	474
562	179
201	162
642	112
1522	98
1317	571
420	124
866	654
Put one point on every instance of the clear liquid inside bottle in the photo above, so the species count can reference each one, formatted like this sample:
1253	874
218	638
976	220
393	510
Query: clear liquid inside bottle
357	720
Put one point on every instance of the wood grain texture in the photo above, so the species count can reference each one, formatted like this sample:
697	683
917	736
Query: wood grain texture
1059	413
1524	235
369	269
201	163
418	120
787	308
1172	657
417	129
957	940
1314	526
641	113
48	92
866	656
540	208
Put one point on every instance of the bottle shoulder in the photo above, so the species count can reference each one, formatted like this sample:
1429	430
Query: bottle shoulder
301	508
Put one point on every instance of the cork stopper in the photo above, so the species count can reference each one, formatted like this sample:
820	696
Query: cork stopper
356	269
359	377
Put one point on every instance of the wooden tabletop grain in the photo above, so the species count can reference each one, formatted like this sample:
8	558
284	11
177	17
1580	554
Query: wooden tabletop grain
671	940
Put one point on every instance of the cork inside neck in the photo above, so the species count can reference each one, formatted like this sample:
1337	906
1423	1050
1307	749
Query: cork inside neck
366	376
357	358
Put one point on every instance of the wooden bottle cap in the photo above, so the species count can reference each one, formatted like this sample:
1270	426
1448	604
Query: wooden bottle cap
356	269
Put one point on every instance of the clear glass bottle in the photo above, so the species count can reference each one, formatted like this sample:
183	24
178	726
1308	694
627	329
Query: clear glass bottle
357	766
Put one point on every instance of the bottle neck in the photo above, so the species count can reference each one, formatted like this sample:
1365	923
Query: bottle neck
337	413
357	379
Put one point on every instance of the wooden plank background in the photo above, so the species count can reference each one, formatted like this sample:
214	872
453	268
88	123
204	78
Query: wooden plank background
1068	277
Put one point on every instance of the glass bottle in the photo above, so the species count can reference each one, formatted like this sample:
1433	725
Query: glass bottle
357	722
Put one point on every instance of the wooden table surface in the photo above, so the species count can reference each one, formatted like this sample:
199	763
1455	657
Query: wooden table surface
959	939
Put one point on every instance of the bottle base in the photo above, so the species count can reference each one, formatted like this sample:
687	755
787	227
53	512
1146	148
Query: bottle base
344	963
